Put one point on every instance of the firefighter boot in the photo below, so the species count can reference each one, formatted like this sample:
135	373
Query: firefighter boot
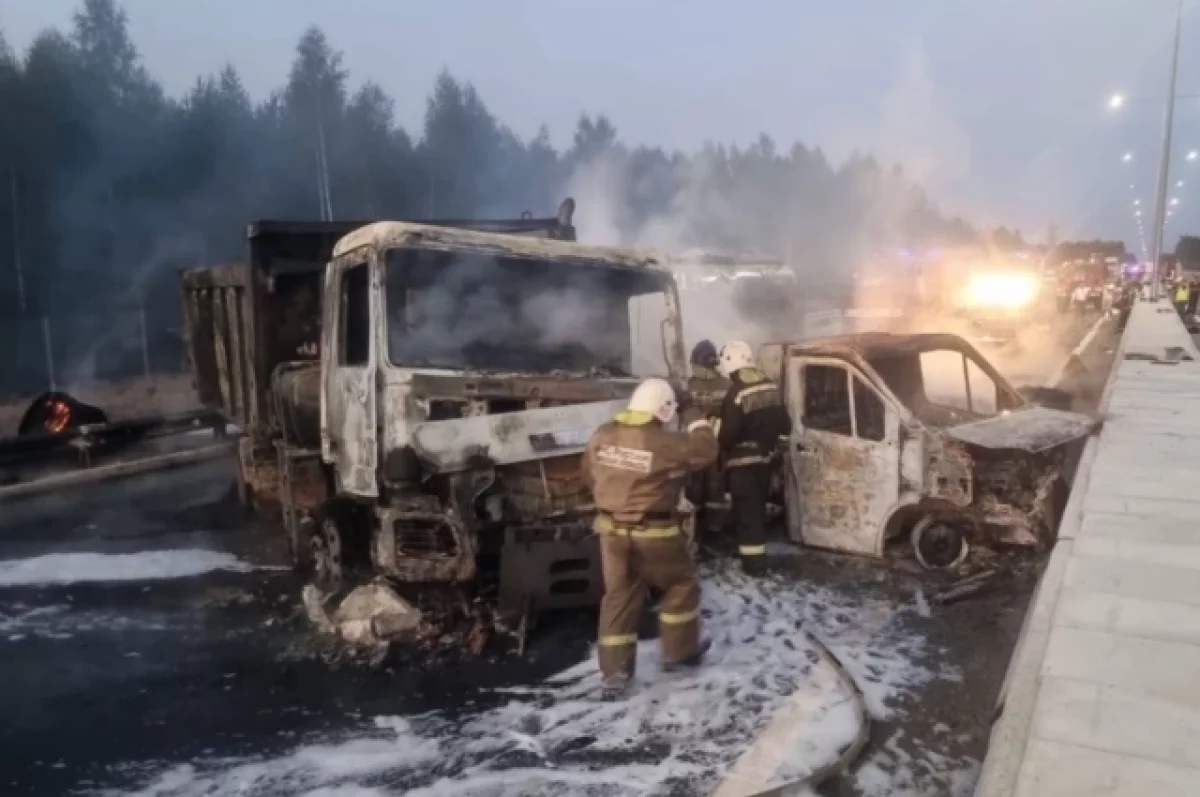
748	487
689	662
613	687
755	565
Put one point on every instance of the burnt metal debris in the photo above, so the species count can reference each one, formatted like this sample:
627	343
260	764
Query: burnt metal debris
899	431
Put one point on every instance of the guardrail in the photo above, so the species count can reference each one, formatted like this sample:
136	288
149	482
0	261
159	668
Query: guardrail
82	441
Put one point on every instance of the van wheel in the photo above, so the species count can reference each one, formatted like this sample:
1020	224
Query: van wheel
938	544
338	547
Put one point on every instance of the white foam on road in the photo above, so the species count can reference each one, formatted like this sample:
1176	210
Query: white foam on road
674	733
80	568
893	771
63	621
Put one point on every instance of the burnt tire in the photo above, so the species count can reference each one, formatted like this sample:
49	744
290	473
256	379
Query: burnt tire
938	544
338	546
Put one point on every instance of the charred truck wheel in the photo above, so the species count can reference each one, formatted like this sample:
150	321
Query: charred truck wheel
938	543
339	546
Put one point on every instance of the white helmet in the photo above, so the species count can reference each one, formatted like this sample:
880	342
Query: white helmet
655	396
735	356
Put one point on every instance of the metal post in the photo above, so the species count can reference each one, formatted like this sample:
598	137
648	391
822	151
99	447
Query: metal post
1164	164
49	346
145	342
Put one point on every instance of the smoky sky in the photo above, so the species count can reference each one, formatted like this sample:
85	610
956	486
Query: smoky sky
997	107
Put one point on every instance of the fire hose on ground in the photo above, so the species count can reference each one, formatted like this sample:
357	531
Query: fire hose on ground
750	773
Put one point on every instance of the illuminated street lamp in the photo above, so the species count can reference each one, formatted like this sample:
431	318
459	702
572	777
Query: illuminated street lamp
1193	155
1137	201
1116	101
1127	157
1174	201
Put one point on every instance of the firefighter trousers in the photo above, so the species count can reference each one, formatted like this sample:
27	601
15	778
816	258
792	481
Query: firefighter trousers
634	559
749	486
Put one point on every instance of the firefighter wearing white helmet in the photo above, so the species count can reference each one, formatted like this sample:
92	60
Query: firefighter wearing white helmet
636	468
753	422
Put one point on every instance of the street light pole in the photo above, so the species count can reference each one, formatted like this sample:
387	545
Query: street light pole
1164	162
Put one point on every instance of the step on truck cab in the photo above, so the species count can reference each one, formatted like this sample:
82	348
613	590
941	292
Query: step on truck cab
427	424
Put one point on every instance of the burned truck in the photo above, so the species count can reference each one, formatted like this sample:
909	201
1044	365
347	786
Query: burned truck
917	438
416	408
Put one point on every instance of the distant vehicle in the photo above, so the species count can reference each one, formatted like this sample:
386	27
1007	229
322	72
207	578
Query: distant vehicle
999	297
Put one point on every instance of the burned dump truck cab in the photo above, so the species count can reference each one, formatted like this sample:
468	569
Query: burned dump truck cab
253	326
917	435
413	398
462	374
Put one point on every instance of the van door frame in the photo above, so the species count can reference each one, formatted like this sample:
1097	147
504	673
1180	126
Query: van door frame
812	484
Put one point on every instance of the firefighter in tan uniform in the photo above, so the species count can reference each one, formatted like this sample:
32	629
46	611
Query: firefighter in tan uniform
636	469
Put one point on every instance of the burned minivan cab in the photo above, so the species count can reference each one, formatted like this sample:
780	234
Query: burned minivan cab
916	435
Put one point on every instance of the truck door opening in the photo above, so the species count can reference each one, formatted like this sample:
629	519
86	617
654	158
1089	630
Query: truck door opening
351	437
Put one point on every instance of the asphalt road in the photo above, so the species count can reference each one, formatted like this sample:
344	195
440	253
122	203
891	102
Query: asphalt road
173	659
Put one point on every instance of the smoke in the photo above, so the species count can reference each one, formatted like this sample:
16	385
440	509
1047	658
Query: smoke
481	312
138	331
918	129
596	185
826	224
718	302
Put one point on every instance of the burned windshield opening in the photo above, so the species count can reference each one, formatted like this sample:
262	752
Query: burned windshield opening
485	312
942	387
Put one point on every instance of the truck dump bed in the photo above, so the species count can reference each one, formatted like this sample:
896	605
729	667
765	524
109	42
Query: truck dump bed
244	319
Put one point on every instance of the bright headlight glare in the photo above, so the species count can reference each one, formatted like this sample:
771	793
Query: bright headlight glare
1011	291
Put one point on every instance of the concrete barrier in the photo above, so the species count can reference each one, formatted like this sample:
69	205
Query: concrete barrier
1018	693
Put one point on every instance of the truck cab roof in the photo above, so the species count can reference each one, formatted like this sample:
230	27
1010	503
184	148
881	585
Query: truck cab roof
428	236
279	246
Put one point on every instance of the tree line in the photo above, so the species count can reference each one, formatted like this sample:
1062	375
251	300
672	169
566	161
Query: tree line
110	185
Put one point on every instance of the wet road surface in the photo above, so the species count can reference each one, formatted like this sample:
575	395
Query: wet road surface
152	644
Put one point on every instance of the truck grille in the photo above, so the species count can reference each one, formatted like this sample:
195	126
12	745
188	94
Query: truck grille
425	540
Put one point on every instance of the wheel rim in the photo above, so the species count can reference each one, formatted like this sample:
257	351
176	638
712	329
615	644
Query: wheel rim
938	545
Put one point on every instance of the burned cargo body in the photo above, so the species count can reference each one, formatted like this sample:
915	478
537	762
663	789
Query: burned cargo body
417	408
917	435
